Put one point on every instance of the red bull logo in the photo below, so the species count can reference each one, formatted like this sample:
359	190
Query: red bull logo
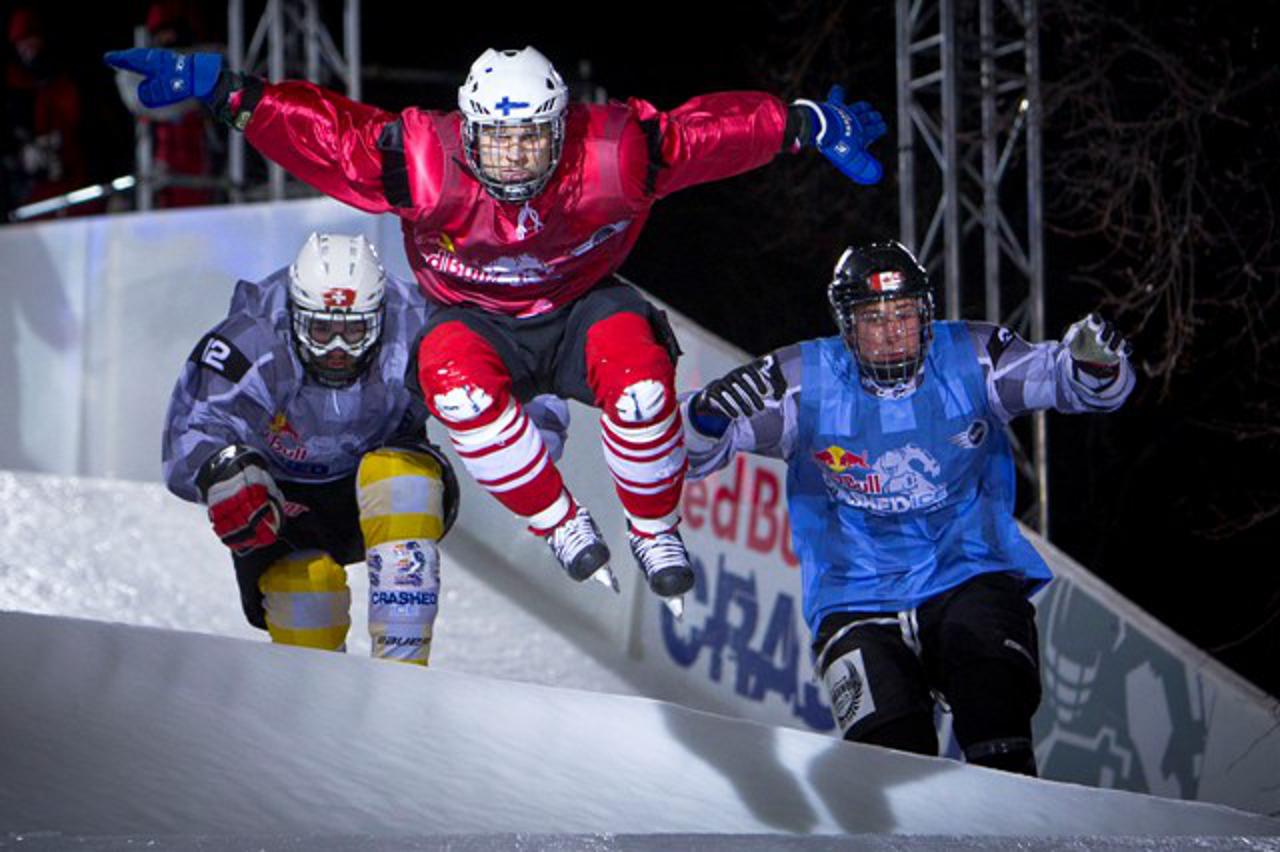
280	426
282	438
838	459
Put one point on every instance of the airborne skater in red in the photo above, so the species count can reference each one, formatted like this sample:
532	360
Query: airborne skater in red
516	211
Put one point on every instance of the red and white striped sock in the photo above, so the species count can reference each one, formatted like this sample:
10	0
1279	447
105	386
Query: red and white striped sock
507	458
648	464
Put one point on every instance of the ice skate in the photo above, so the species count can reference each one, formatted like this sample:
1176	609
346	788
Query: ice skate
665	564
580	550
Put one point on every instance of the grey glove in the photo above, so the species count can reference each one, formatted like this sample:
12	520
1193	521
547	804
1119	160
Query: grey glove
1097	349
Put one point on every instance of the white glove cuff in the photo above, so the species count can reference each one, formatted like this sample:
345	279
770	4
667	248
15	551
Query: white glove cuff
817	111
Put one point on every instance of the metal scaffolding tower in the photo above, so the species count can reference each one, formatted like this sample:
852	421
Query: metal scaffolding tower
289	41
971	95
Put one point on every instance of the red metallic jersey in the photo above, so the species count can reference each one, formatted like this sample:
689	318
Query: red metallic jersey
522	259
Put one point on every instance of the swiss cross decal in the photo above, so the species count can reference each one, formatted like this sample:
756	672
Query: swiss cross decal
339	297
882	282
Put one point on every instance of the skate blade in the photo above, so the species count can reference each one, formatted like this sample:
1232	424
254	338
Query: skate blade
676	605
604	576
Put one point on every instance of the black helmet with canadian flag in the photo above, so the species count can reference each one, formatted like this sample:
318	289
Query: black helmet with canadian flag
875	273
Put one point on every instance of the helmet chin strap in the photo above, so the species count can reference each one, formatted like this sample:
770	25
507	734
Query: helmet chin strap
331	378
895	390
334	382
889	380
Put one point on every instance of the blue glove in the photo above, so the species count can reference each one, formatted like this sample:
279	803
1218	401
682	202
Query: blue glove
843	133
169	77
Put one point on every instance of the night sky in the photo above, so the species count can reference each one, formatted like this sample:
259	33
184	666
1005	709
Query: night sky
1136	497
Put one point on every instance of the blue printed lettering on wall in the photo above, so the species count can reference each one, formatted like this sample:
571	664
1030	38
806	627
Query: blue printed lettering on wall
764	653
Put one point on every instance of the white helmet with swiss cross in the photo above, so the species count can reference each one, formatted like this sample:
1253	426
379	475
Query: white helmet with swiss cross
336	292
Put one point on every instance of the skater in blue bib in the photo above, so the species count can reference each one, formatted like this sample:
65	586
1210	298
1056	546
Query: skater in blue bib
900	486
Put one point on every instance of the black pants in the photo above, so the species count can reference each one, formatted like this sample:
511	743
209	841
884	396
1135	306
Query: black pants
546	354
975	647
325	517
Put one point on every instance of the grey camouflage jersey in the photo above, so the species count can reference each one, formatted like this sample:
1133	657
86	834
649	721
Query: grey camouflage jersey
244	384
1021	377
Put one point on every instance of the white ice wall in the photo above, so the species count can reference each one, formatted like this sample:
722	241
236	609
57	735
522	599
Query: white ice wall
116	731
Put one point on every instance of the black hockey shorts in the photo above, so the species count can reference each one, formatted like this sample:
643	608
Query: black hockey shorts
975	646
547	353
330	521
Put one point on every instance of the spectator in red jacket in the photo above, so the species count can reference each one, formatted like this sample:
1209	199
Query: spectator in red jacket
42	155
181	144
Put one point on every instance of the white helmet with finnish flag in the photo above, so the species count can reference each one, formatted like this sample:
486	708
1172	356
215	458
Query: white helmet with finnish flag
337	288
510	96
881	272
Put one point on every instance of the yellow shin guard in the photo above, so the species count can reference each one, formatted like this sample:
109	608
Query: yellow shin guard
307	601
401	496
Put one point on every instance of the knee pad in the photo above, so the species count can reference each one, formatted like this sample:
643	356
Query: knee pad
307	601
851	699
629	371
462	376
404	589
642	402
873	680
405	494
992	703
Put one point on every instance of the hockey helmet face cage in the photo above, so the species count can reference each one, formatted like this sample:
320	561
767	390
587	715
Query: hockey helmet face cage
336	292
883	304
513	104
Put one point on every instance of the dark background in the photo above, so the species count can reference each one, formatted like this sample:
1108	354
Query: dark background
1149	498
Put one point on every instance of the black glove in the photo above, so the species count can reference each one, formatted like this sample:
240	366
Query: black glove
743	391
